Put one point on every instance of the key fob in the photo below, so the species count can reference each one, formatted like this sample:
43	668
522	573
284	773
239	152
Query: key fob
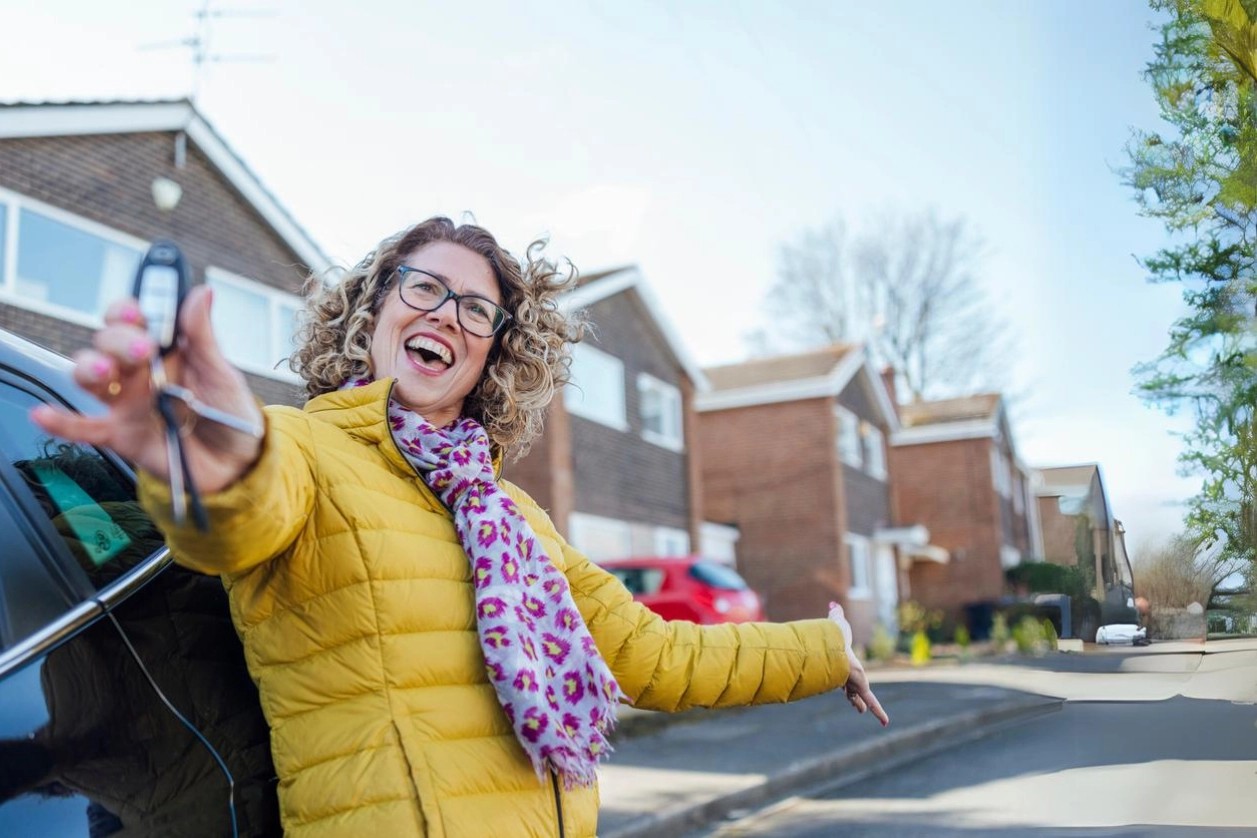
161	284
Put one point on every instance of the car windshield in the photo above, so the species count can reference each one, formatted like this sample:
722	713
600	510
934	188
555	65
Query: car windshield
718	576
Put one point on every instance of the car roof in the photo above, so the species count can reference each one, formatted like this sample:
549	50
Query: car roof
650	561
43	366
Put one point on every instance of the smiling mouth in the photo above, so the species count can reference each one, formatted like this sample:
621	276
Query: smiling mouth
430	353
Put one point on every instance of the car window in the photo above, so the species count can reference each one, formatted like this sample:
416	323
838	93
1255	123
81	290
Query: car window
718	576
640	580
30	595
90	505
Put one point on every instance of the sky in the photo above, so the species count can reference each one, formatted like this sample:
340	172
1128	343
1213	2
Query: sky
694	139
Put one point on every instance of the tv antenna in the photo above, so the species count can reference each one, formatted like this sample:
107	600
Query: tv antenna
199	42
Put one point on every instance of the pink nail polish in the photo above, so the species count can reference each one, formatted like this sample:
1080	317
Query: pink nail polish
100	368
139	348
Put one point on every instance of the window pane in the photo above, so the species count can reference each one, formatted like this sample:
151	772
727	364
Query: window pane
4	235
289	324
718	576
67	266
849	438
660	407
597	388
242	321
91	505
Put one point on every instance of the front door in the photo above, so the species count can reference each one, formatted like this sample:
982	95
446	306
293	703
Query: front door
886	587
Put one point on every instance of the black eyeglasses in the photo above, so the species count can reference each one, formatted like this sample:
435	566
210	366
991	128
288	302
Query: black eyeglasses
425	291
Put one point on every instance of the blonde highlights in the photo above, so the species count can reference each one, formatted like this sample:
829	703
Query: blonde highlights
530	358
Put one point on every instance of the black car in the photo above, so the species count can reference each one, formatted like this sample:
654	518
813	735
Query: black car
125	704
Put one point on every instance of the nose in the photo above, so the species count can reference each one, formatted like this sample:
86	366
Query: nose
446	314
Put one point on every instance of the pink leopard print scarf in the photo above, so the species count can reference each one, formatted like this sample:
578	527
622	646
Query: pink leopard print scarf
554	686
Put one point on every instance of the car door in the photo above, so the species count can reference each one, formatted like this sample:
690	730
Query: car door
125	706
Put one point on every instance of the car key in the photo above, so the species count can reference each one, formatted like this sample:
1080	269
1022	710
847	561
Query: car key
161	285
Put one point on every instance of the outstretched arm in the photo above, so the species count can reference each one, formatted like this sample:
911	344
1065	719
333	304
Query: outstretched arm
670	666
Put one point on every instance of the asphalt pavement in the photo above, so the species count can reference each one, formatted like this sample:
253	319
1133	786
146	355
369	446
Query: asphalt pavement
711	765
679	775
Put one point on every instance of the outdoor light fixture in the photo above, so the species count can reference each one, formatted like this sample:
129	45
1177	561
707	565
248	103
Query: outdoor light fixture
166	193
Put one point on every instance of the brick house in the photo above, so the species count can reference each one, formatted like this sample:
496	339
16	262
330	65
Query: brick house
1079	530
77	212
793	452
617	467
954	468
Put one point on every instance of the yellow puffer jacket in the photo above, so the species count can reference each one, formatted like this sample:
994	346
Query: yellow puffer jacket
354	601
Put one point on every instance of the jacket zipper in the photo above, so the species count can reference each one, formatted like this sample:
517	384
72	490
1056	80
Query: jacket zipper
558	800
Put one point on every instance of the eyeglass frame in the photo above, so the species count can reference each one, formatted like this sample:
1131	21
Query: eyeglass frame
401	270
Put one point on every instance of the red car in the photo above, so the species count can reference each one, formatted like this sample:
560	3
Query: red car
688	588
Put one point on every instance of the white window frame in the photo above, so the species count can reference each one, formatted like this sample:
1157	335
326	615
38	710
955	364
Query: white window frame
671	541
14	203
281	346
673	435
874	450
859	555
573	398
999	471
580	523
850	446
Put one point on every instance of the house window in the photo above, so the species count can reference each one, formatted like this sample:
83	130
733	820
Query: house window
849	445
874	451
999	472
600	538
670	541
858	564
255	324
64	265
597	388
660	406
4	236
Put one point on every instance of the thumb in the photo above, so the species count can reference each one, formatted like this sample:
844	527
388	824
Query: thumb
197	326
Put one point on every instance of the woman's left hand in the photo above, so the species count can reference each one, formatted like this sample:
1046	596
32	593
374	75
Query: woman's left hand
861	695
857	687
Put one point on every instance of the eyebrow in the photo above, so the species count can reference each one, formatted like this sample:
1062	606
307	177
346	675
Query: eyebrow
448	284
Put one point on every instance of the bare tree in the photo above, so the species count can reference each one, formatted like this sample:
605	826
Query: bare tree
1182	570
811	298
908	287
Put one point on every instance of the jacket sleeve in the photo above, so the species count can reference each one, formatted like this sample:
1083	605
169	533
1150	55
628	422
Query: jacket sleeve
675	665
254	519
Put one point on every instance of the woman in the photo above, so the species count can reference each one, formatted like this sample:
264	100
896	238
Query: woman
432	657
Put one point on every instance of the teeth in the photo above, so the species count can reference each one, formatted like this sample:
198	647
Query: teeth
438	349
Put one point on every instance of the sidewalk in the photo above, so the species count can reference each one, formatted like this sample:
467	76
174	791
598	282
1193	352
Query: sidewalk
672	774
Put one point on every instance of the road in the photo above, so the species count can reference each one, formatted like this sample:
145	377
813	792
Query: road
1154	745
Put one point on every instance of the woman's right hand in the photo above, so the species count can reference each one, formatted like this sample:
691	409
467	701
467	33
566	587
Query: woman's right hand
117	371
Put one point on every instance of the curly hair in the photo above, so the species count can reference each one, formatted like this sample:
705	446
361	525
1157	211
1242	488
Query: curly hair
530	358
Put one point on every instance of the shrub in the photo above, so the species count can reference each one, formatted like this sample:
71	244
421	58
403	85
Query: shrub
1050	637
999	631
962	638
1029	636
882	645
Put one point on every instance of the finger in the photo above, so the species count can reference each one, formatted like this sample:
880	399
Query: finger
129	346
94	371
124	312
858	703
876	707
197	327
73	426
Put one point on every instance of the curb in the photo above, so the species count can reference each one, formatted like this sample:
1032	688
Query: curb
844	766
